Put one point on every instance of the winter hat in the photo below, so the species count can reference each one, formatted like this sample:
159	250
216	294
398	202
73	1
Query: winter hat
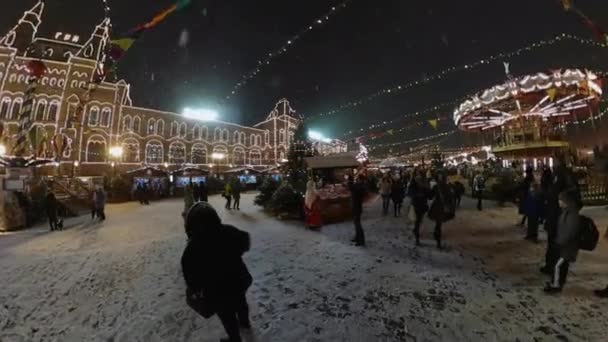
201	217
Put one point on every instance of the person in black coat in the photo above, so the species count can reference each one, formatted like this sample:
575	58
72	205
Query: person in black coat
443	206
524	193
217	279
397	195
51	210
419	192
358	191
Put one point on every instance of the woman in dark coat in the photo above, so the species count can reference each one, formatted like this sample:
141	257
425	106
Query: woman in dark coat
397	195
443	207
217	279
51	210
524	192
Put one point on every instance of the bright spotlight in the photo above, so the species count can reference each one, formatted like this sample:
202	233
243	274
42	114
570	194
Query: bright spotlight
200	114
314	135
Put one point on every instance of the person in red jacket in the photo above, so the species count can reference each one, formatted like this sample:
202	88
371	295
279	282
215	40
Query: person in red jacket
312	206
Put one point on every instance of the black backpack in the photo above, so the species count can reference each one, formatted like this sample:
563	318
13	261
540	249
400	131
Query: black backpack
589	235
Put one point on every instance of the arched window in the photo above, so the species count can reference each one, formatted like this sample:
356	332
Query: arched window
40	110
225	136
136	124
5	108
160	127
242	138
199	154
251	140
16	110
130	149
53	109
221	150
154	152
183	130
267	137
282	155
196	132
217	134
174	129
255	157
94	116
106	117
281	136
291	137
235	137
238	156
177	153
204	133
151	127
96	149
258	140
126	123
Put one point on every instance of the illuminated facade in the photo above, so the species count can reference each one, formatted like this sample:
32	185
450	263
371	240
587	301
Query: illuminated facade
147	136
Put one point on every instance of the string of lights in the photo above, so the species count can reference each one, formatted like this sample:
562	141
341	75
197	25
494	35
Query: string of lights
270	56
464	67
430	137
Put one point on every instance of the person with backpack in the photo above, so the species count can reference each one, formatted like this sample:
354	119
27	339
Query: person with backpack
443	207
216	277
479	185
567	240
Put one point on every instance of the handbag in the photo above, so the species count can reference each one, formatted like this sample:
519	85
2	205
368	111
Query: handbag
199	303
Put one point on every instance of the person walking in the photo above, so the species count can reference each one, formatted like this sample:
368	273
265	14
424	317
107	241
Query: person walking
533	210
196	192
567	240
443	207
236	194
216	277
479	186
420	194
407	182
188	198
100	203
397	195
51	210
228	194
458	190
204	193
385	192
93	205
524	193
312	206
358	191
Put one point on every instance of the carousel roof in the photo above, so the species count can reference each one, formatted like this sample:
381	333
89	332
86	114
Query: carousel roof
545	95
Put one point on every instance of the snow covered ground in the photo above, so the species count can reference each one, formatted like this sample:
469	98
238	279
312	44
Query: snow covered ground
121	281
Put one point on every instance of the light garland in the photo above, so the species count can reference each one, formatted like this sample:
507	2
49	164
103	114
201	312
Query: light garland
270	56
416	140
450	70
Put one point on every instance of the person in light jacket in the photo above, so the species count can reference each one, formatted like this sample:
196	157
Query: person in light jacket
567	239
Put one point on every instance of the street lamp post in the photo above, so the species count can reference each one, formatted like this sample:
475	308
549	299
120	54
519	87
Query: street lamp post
74	167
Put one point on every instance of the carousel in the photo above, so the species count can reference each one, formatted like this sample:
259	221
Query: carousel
526	115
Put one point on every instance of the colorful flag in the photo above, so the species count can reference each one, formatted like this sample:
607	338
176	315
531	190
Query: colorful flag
433	123
552	92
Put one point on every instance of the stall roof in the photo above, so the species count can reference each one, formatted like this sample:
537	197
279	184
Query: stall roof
148	172
341	160
191	169
242	169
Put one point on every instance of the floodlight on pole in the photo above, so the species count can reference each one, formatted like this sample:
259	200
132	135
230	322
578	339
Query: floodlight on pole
116	151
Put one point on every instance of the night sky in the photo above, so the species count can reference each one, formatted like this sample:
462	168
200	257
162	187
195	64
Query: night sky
369	45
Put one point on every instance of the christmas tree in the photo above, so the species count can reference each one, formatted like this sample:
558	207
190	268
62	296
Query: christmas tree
295	168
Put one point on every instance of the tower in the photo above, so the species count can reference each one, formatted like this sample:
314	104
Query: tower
95	46
22	35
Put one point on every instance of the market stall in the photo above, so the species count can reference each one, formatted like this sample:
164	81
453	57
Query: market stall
188	175
156	181
249	177
331	173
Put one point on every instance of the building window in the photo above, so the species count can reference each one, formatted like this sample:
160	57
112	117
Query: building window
160	127
199	154
258	140
196	132
217	134
267	137
291	135
130	149
251	140
5	108
255	158
235	138
126	123
53	109
204	133
174	129
225	136
40	110
154	152
242	138
238	156
177	153
16	110
106	117
136	124
183	130
221	150
96	149
151	127
281	136
94	116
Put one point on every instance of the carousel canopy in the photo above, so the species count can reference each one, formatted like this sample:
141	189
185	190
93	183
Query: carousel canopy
549	96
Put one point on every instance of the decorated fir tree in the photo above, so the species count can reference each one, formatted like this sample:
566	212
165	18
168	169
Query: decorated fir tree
295	168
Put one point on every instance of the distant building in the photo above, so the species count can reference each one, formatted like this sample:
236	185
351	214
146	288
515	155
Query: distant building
147	136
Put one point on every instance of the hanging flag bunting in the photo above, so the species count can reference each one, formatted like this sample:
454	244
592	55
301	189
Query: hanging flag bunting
552	93
598	30
390	131
433	123
36	70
